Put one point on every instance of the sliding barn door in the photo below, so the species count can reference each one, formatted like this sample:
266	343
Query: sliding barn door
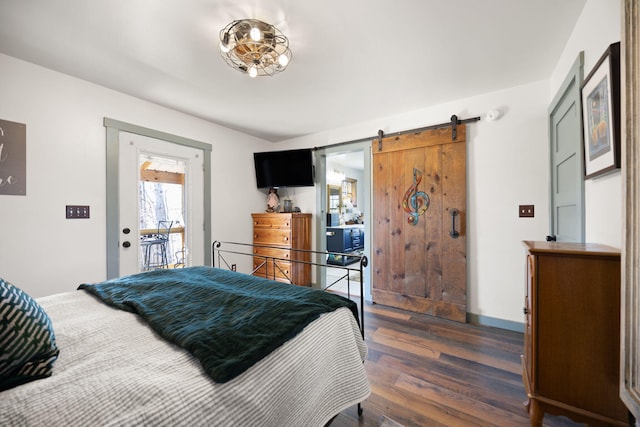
419	246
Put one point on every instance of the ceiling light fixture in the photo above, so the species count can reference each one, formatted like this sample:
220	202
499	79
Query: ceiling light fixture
254	47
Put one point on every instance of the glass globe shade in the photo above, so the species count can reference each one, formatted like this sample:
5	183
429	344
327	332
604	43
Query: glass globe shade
255	34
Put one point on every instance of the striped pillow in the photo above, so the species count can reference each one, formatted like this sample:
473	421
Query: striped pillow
27	343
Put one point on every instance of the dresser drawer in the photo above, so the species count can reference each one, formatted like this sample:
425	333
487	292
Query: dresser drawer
272	221
272	237
273	252
272	269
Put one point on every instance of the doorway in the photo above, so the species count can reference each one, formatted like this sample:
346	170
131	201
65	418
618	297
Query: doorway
342	193
345	219
157	185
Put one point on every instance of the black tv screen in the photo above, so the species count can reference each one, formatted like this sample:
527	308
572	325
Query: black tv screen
289	168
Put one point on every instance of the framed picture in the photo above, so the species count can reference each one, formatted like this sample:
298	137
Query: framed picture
600	93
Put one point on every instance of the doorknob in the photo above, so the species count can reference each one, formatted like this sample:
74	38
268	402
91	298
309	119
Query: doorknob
126	244
453	233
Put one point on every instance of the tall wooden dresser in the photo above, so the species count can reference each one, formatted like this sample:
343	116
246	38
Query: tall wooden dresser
288	235
572	333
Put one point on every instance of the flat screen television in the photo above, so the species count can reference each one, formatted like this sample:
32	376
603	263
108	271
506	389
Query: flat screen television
289	168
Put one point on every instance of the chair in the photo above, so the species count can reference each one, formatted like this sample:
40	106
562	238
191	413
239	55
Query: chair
156	258
181	259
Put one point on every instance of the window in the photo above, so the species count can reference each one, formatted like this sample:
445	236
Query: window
349	191
162	199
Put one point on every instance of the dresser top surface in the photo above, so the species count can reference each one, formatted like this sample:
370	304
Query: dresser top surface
279	214
571	248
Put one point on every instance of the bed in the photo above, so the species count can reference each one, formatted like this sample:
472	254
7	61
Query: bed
115	368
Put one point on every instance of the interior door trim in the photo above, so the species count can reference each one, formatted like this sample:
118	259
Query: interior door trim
113	129
630	91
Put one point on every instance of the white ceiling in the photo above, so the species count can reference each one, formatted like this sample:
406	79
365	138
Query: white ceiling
353	60
351	160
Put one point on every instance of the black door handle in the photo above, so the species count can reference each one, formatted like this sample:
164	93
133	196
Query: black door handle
453	233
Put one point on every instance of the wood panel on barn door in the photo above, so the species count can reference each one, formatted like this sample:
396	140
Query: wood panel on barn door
420	267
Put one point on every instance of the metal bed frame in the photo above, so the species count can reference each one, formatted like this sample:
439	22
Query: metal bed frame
246	249
218	253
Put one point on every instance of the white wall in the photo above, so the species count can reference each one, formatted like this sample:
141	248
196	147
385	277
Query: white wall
599	26
40	250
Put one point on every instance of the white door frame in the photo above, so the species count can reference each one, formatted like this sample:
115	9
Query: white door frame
113	128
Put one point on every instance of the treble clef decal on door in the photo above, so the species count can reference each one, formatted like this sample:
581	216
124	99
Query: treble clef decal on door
415	202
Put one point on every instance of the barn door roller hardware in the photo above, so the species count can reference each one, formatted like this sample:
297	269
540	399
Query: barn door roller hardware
453	123
454	127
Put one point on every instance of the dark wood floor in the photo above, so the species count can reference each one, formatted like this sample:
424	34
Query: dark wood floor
429	372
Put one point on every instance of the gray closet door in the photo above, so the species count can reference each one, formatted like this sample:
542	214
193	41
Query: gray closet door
567	168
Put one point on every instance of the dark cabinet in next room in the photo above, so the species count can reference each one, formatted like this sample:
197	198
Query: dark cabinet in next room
344	239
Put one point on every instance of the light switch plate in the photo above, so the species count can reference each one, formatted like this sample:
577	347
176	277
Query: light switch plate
77	211
525	211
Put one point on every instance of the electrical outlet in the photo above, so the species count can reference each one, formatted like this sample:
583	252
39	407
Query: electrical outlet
77	211
233	267
525	211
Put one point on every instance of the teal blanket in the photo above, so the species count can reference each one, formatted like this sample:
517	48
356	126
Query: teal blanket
227	320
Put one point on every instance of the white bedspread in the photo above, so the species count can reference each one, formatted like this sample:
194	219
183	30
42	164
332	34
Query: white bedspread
113	370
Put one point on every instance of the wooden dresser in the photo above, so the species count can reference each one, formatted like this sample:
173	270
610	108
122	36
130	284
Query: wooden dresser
285	233
572	333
